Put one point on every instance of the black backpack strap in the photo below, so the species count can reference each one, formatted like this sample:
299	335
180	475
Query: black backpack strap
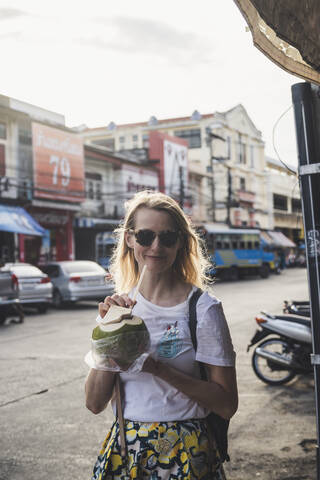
193	326
218	425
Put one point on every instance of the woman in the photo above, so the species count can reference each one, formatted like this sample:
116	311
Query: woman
166	403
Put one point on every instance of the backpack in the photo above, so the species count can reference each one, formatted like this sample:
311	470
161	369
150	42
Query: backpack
218	426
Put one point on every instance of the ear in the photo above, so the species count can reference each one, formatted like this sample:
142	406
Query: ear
129	239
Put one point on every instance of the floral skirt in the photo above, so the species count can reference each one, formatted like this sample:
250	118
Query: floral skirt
159	451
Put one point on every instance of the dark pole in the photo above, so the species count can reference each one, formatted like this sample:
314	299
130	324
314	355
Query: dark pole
181	199
228	220
306	102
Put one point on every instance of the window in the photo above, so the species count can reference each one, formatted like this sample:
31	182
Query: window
280	202
242	183
90	192
2	160
242	245
98	191
94	185
193	136
249	245
25	137
296	205
145	140
234	244
3	131
241	151
256	245
134	138
228	147
252	156
122	139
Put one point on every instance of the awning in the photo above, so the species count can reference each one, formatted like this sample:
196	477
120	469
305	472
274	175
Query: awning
281	240
17	220
276	239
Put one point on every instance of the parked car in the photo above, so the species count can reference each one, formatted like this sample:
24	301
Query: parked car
34	287
75	280
9	302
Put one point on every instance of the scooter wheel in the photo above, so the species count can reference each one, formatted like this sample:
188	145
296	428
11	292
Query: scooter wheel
268	371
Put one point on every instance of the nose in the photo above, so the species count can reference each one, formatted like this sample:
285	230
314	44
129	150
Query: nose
156	243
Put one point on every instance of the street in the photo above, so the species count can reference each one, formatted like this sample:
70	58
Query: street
46	431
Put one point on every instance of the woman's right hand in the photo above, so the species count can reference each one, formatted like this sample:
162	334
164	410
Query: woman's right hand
122	300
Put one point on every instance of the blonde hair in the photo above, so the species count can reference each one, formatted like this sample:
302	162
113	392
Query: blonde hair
191	262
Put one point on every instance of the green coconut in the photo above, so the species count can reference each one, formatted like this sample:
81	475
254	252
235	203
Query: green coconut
123	341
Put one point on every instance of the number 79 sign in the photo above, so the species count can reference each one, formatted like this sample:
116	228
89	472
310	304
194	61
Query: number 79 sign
58	164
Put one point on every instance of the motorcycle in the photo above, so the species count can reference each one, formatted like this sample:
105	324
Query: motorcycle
286	352
296	307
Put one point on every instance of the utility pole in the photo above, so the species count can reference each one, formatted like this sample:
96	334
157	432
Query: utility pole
210	136
181	190
229	197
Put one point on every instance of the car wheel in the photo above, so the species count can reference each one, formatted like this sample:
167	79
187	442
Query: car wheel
57	299
42	308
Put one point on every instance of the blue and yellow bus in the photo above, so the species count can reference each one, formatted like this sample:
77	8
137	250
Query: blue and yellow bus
236	252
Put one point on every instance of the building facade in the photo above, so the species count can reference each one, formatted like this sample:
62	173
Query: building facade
284	200
225	157
42	173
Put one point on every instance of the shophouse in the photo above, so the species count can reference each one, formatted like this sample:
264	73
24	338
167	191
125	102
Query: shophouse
226	165
42	183
110	179
284	199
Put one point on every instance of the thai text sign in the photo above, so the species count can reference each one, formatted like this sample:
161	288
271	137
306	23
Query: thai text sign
58	164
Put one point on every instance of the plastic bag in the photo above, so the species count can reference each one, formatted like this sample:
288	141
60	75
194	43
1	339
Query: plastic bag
125	351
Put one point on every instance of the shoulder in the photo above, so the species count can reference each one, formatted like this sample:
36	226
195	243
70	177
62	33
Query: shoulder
208	300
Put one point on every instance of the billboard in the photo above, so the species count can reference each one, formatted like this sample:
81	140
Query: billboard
170	155
58	164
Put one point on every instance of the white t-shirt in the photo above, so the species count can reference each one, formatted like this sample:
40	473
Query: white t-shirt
147	398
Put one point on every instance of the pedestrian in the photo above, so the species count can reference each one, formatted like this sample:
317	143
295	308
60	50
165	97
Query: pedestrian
166	403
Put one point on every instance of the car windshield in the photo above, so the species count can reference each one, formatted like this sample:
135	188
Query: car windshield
79	267
26	270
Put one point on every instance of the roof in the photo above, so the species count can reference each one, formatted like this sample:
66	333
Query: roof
159	122
277	163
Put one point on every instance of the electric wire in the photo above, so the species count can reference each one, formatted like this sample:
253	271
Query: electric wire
273	140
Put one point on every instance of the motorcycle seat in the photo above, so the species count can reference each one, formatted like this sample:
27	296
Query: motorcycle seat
295	319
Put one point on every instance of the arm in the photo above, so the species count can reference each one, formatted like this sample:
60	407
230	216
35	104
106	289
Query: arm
219	394
98	389
100	384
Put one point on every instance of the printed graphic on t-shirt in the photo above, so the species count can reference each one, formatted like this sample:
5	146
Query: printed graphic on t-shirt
170	344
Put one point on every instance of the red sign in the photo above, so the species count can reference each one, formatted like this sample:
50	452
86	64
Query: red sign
58	164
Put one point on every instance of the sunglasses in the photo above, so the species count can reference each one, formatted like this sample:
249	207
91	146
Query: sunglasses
145	237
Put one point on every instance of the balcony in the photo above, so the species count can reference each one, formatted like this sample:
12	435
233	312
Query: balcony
245	196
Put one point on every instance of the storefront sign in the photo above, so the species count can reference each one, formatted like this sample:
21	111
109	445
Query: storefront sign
58	164
136	179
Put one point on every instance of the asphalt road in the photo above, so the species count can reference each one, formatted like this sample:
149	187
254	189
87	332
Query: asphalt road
46	431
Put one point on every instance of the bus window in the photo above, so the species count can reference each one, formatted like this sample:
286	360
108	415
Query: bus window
242	245
218	244
226	245
257	245
234	244
249	245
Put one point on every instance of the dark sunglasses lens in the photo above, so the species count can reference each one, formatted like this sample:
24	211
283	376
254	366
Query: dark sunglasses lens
145	237
168	239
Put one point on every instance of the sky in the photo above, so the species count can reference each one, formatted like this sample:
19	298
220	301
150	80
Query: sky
99	61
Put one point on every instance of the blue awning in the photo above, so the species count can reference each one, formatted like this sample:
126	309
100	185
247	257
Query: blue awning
17	220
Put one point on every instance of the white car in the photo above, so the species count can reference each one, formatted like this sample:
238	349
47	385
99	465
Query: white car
34	287
75	280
